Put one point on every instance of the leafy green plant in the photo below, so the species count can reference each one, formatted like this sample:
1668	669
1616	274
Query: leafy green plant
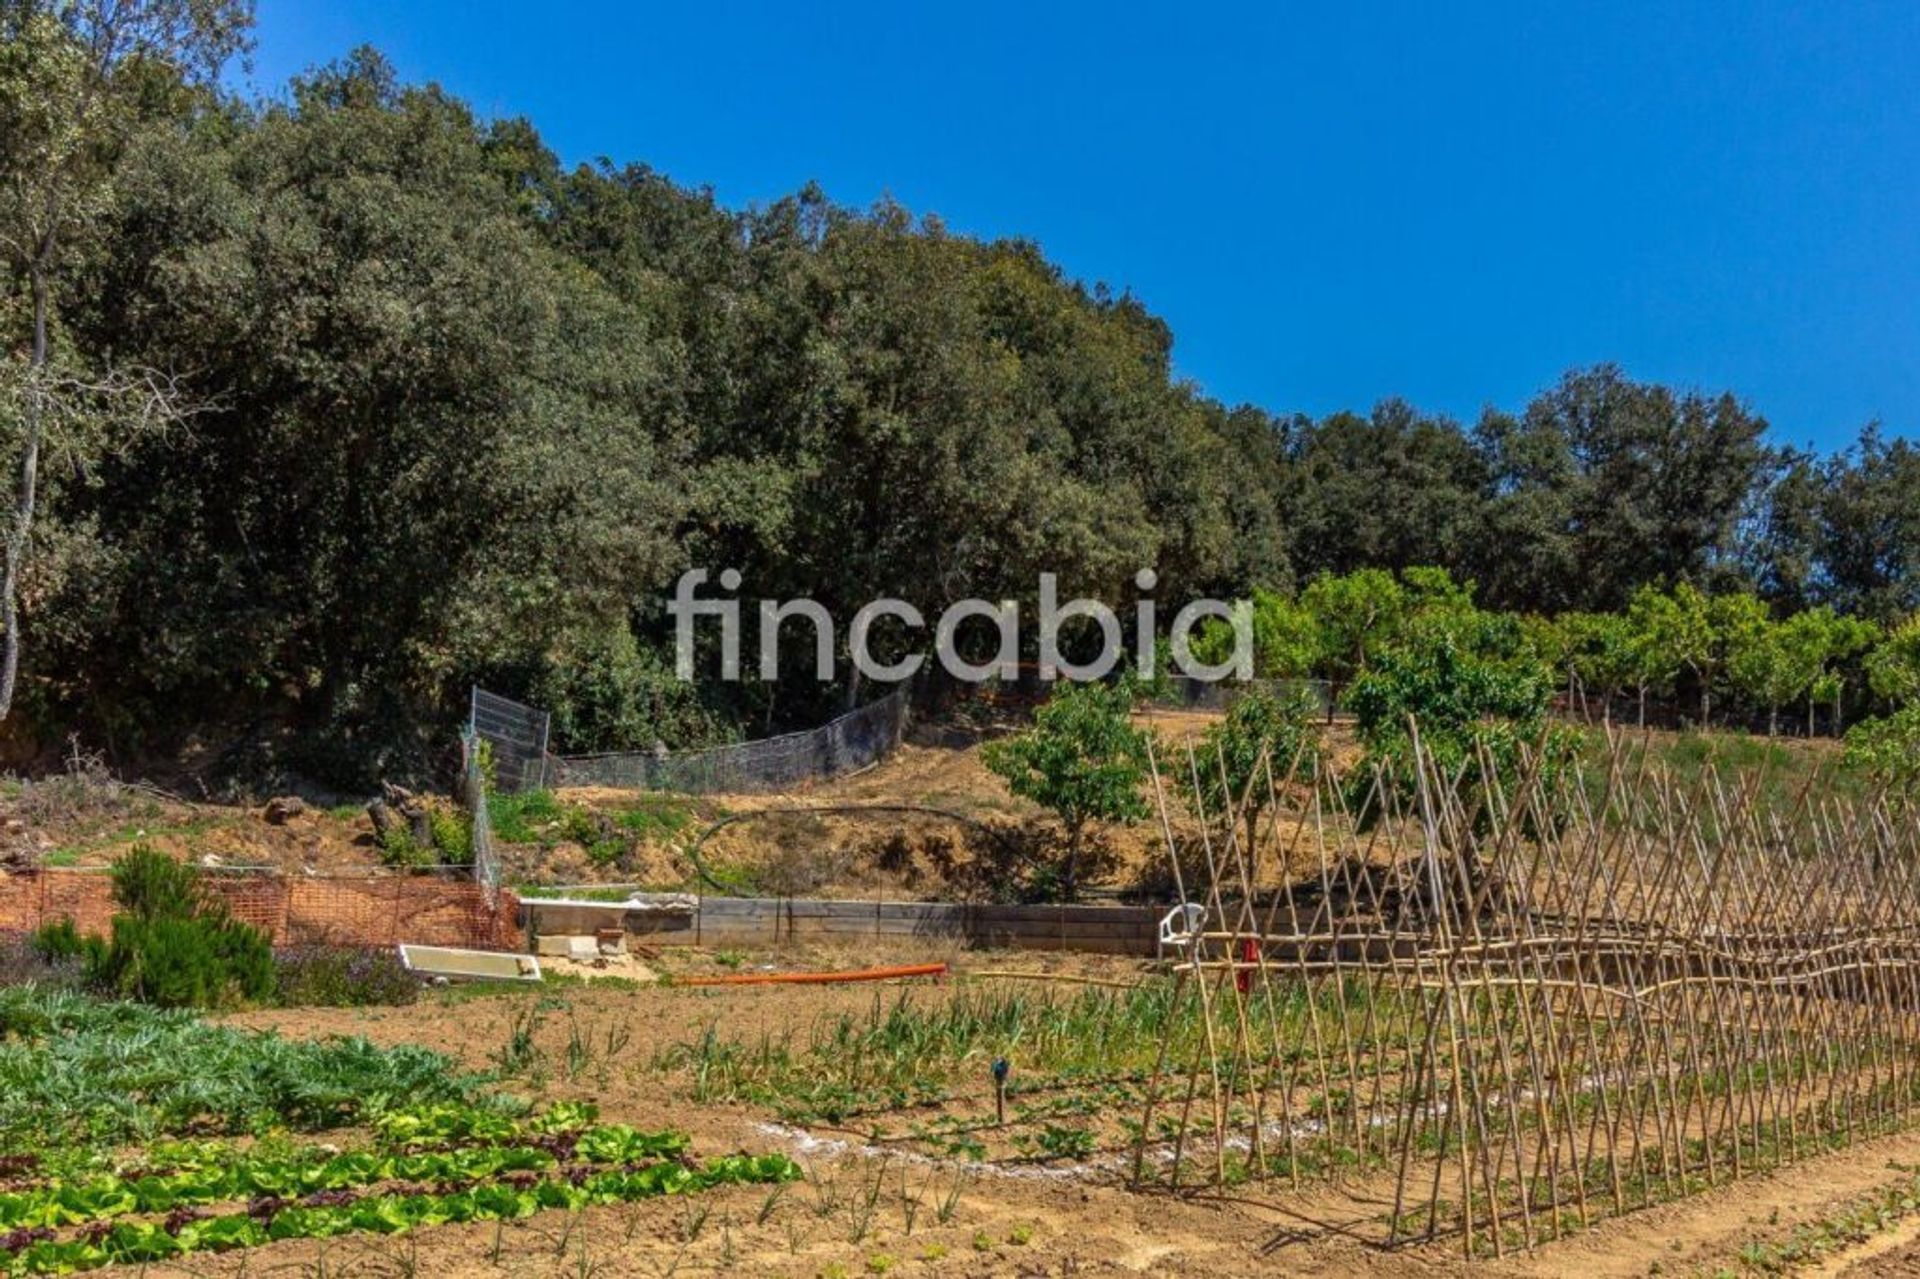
75	1067
401	851
175	944
452	835
1264	740
1887	751
1083	758
1062	1142
1476	696
521	817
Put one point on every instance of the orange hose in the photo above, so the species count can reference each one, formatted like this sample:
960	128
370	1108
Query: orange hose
773	979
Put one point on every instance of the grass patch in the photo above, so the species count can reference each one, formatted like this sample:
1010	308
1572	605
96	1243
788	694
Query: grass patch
1780	769
657	818
523	817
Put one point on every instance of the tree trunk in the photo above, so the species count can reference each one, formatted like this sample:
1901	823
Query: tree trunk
1643	706
1070	882
25	498
1773	721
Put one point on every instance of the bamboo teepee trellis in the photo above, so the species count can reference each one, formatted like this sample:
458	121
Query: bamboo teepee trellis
1503	1010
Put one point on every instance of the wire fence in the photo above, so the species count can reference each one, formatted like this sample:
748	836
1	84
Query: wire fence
1188	693
853	741
517	735
473	792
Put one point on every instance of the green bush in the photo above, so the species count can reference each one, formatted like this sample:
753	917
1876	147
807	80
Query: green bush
174	944
1265	740
61	942
1887	752
152	885
399	849
452	836
536	817
1477	698
517	818
192	962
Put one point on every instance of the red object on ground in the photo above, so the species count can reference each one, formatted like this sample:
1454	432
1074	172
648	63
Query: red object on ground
1249	953
773	979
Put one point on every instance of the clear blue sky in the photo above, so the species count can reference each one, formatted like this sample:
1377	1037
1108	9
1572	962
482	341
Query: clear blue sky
1450	203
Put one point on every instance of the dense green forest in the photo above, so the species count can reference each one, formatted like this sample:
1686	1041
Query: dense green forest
353	397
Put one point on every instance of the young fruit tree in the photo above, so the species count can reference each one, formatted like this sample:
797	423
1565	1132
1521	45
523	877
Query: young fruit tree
1265	736
1083	759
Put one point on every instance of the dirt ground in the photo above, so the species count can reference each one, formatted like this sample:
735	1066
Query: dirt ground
930	822
86	819
862	1213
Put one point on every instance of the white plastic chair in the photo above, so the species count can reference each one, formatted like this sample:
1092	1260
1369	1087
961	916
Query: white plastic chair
1190	916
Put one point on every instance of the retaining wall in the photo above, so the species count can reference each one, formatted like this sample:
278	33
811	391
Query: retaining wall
727	921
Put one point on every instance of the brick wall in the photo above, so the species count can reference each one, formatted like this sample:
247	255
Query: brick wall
293	911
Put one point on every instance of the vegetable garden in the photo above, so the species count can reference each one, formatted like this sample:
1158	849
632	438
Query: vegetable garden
1468	999
135	1135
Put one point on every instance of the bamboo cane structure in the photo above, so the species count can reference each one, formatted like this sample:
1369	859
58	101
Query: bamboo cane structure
1497	1000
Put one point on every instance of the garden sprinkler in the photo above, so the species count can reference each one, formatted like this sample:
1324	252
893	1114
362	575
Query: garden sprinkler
1001	1069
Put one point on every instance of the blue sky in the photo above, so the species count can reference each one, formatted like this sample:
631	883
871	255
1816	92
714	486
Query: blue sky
1449	203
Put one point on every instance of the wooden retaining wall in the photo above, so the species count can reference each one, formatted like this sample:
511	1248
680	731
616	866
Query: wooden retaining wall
736	921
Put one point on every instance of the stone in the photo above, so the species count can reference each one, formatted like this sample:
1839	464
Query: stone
283	808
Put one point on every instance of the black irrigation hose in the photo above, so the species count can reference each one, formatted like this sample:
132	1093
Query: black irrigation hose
700	865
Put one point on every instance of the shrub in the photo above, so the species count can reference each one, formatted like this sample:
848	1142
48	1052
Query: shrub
191	962
517	818
152	885
60	942
174	944
342	977
1887	751
399	849
452	836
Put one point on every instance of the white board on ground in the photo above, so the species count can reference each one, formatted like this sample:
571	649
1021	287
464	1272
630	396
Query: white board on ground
469	965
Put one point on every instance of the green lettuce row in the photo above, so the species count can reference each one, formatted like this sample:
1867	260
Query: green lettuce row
139	1242
450	1122
446	1124
77	1203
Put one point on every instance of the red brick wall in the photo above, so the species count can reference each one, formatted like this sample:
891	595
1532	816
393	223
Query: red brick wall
293	911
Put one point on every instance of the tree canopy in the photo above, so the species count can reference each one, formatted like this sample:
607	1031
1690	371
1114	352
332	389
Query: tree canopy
463	413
